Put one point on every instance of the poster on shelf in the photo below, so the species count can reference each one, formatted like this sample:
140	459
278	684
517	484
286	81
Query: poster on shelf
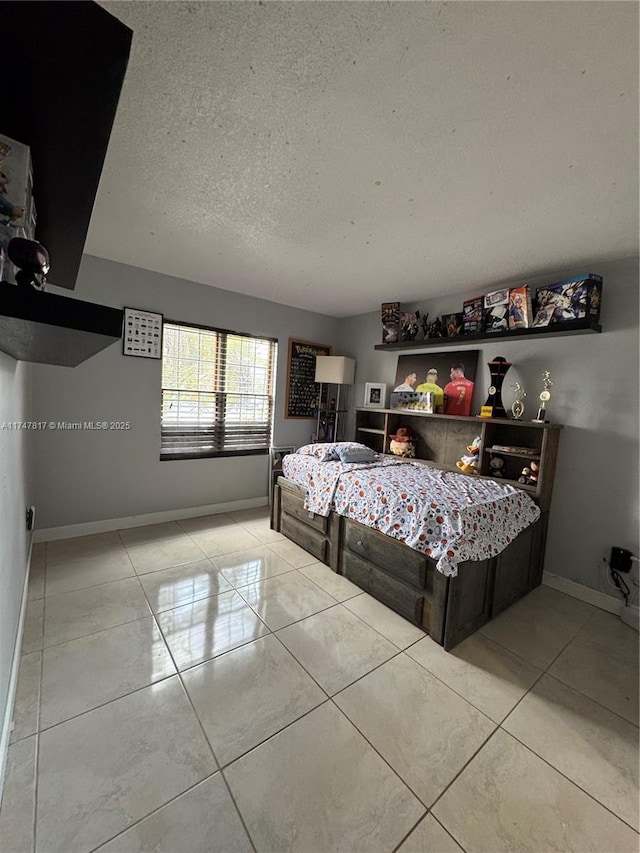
441	382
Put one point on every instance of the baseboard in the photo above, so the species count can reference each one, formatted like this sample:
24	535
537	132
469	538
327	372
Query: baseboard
584	593
49	534
5	734
631	616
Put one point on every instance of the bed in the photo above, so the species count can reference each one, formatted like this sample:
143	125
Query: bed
445	550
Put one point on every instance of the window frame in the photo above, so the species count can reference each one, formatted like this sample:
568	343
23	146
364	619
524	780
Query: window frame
216	454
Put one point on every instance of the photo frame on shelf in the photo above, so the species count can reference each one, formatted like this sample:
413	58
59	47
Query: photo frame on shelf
142	333
375	394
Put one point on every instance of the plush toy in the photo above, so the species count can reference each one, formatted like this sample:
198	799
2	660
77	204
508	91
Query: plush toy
496	464
529	475
469	463
473	449
403	443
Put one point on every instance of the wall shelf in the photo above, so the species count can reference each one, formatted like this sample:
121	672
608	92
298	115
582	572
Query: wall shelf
571	327
51	329
72	59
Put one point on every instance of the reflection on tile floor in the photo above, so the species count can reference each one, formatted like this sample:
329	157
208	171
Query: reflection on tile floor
206	685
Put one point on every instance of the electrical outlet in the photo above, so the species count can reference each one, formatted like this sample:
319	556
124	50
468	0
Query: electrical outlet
620	560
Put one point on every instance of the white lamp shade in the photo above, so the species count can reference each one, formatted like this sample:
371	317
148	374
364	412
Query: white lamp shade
335	369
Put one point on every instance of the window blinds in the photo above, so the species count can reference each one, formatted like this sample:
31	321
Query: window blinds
217	393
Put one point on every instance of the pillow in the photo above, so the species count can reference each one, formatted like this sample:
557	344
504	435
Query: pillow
328	451
356	454
322	452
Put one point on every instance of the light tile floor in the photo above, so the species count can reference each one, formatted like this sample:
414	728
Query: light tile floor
206	685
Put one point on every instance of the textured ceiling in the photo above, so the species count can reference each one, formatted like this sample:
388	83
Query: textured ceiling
335	155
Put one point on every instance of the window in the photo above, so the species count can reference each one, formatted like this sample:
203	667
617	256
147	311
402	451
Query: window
217	393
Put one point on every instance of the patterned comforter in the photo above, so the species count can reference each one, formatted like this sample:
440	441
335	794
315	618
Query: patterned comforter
447	516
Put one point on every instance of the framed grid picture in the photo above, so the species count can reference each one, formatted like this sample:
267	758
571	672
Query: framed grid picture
142	333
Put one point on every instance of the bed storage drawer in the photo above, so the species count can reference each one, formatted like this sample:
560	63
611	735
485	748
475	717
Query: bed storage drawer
405	600
313	541
293	504
408	566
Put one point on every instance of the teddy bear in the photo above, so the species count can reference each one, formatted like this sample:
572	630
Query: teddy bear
403	443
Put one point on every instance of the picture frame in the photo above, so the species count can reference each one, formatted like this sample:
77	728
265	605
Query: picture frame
302	389
436	382
375	394
142	333
276	455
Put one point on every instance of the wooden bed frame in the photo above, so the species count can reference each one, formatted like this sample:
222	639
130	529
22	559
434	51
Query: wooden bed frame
448	609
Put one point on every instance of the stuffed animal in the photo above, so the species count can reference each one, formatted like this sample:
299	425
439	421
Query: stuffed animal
529	475
496	464
403	443
473	449
469	463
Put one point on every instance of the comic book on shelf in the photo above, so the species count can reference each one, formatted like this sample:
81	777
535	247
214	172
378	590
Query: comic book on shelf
571	299
520	310
521	451
390	313
472	311
453	324
496	307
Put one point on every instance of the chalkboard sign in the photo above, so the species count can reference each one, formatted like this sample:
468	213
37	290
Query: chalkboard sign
302	389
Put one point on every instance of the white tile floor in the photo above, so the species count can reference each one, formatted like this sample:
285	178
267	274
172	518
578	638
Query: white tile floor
205	685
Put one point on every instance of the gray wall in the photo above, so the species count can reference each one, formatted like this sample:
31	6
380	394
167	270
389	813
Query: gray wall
15	398
85	476
595	396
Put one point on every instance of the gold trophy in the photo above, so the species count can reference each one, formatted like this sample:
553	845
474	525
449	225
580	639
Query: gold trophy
545	396
517	407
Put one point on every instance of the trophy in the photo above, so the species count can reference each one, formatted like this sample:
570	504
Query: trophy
517	407
545	396
493	408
